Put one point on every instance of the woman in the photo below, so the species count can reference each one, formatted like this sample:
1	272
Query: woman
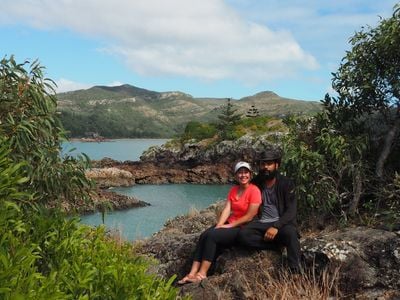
241	206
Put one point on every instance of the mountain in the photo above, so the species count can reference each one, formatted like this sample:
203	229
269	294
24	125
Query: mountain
129	111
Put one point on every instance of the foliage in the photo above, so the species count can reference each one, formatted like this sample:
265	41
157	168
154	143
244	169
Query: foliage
119	122
367	83
227	120
43	255
259	125
198	131
129	112
325	166
29	124
253	112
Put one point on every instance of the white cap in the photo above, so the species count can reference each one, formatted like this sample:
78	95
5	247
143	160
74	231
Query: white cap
242	164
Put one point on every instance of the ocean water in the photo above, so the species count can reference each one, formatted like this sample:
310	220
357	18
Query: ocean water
167	201
119	149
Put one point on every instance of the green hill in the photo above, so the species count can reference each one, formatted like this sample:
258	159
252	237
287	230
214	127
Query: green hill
129	111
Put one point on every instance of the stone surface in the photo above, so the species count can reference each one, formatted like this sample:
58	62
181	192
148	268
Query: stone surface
192	163
367	258
106	177
101	200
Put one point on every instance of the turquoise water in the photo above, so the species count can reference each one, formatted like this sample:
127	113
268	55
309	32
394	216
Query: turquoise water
167	201
119	149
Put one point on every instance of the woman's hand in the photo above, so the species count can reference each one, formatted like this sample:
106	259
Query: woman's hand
224	226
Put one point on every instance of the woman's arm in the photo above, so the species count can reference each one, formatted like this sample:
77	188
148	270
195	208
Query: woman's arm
249	215
226	212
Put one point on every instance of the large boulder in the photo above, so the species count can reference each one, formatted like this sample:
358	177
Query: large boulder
367	258
359	262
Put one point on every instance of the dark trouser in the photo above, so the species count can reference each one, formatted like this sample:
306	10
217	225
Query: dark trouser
212	241
252	235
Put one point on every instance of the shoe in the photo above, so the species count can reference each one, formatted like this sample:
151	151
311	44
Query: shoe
186	279
198	278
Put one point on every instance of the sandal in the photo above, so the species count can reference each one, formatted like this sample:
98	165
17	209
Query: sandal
199	277
186	279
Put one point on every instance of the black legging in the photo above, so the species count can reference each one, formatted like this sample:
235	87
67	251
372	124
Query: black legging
212	241
252	235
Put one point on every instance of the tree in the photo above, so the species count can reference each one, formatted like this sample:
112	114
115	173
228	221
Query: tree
30	125
252	112
227	121
368	85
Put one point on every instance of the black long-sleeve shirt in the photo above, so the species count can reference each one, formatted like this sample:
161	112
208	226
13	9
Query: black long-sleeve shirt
286	204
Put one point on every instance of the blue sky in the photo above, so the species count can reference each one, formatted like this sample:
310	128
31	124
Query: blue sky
206	48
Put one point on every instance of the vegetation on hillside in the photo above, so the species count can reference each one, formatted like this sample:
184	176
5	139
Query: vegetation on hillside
231	125
43	255
127	111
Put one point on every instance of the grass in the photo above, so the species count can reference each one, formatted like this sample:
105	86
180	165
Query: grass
299	286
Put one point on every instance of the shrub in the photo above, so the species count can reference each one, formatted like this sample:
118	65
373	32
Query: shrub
43	255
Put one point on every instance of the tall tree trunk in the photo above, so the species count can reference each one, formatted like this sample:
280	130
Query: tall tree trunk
387	147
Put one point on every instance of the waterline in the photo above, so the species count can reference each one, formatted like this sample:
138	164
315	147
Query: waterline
167	201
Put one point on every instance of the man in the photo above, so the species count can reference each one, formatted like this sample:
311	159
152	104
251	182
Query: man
276	224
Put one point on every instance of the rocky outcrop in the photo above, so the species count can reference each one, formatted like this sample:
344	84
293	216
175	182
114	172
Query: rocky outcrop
361	263
101	200
112	201
111	176
209	152
191	163
368	259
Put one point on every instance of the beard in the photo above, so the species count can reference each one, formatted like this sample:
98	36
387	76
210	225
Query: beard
267	175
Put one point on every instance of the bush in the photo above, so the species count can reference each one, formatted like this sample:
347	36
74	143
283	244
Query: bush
43	255
30	125
327	168
198	131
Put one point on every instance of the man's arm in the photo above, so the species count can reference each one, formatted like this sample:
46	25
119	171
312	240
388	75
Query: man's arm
290	205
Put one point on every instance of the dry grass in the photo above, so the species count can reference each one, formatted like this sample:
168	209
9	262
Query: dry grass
298	286
193	212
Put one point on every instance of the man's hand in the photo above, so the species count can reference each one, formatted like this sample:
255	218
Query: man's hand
270	234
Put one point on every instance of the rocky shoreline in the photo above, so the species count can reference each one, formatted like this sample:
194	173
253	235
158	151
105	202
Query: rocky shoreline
206	162
101	200
362	262
191	162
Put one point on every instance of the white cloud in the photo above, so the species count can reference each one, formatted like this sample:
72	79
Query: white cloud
203	39
65	85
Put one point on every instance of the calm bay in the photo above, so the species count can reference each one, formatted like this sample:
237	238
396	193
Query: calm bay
118	149
167	201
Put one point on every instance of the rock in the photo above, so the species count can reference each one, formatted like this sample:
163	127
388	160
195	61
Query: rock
191	163
369	262
368	258
114	201
101	200
107	177
226	152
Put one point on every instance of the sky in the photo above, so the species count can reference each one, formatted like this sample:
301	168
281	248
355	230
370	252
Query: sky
205	48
